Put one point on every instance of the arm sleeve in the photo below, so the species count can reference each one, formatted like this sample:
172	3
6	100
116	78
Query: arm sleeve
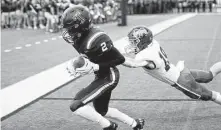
131	63
117	59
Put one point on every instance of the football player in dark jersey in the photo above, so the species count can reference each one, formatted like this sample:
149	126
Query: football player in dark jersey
98	48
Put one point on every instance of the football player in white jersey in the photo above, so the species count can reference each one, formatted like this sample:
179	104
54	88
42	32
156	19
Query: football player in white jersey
148	54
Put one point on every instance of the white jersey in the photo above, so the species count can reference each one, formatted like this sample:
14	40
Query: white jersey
163	70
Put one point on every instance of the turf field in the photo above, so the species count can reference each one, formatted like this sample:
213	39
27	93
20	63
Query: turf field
197	41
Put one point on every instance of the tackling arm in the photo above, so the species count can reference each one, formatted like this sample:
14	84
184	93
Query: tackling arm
117	59
132	63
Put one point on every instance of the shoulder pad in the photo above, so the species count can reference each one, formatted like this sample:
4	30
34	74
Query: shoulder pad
96	38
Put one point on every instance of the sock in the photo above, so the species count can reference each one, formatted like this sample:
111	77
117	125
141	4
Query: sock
116	114
89	113
216	97
216	69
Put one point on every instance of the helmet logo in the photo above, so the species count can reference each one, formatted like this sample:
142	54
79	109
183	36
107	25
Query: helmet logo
76	25
77	16
139	33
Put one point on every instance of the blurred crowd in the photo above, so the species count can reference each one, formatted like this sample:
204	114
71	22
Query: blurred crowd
169	6
46	14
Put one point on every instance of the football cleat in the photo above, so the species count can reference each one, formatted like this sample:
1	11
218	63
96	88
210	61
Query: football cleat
113	126
140	124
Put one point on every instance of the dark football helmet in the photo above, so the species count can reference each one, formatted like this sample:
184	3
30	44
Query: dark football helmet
140	37
75	21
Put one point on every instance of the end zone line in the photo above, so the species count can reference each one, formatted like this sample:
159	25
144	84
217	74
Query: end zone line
37	99
25	92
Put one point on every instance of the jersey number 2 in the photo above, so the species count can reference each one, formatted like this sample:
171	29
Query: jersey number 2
103	47
163	56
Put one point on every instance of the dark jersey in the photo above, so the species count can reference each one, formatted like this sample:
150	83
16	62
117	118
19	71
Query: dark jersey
99	49
5	7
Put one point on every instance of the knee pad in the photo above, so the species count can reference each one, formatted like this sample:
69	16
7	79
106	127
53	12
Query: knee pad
75	105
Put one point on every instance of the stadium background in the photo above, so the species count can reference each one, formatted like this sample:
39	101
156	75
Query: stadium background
46	14
28	51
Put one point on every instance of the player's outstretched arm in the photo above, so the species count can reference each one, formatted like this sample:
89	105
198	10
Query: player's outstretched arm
132	63
117	58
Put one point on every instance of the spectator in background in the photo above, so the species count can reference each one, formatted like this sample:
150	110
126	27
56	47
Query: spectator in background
51	15
192	6
12	13
30	15
204	6
197	4
33	13
210	4
162	6
107	12
146	6
130	6
185	4
40	19
155	7
141	9
179	6
61	5
98	16
19	13
5	18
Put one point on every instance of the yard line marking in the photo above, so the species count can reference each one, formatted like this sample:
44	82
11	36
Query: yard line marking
18	47
7	50
28	45
193	105
45	40
53	38
37	43
211	46
46	81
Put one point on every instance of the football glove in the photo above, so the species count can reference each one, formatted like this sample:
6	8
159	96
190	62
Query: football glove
81	66
87	68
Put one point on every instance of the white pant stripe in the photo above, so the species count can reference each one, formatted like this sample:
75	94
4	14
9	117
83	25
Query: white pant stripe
188	90
180	86
102	88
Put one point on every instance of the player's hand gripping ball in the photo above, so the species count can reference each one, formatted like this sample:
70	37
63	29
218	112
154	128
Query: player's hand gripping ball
79	66
78	62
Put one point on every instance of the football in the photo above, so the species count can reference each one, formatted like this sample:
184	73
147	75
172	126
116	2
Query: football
78	62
